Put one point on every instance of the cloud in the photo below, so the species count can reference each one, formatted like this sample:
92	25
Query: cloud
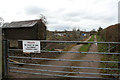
34	10
61	27
52	21
74	14
63	14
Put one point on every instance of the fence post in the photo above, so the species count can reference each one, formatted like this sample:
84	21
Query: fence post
1	53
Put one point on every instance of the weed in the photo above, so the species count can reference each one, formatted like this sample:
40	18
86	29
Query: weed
103	48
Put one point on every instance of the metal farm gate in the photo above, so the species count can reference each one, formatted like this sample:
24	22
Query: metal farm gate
19	62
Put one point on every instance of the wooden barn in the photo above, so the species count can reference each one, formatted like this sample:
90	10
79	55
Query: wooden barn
24	30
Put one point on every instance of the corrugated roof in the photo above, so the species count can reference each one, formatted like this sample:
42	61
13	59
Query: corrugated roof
18	24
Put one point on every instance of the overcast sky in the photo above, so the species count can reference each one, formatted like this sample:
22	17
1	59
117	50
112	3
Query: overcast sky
63	14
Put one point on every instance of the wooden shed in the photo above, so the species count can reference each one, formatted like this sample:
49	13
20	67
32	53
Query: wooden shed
24	30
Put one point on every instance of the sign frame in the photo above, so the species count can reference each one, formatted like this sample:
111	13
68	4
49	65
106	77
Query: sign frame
31	46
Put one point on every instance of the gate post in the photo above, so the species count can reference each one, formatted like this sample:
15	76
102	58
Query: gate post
1	53
5	59
118	48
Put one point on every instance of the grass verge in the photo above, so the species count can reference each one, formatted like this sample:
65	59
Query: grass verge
103	48
85	47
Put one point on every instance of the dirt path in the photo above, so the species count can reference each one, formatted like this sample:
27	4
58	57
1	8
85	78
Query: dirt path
91	57
58	63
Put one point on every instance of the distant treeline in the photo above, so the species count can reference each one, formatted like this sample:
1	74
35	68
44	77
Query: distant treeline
111	33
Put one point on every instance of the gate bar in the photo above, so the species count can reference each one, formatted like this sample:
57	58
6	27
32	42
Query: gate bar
63	59
65	66
79	52
51	74
63	71
67	52
63	75
53	41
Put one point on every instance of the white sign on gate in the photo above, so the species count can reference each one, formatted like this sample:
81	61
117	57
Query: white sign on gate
31	46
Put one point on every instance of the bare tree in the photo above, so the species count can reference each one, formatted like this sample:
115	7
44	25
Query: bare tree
1	21
43	18
100	29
